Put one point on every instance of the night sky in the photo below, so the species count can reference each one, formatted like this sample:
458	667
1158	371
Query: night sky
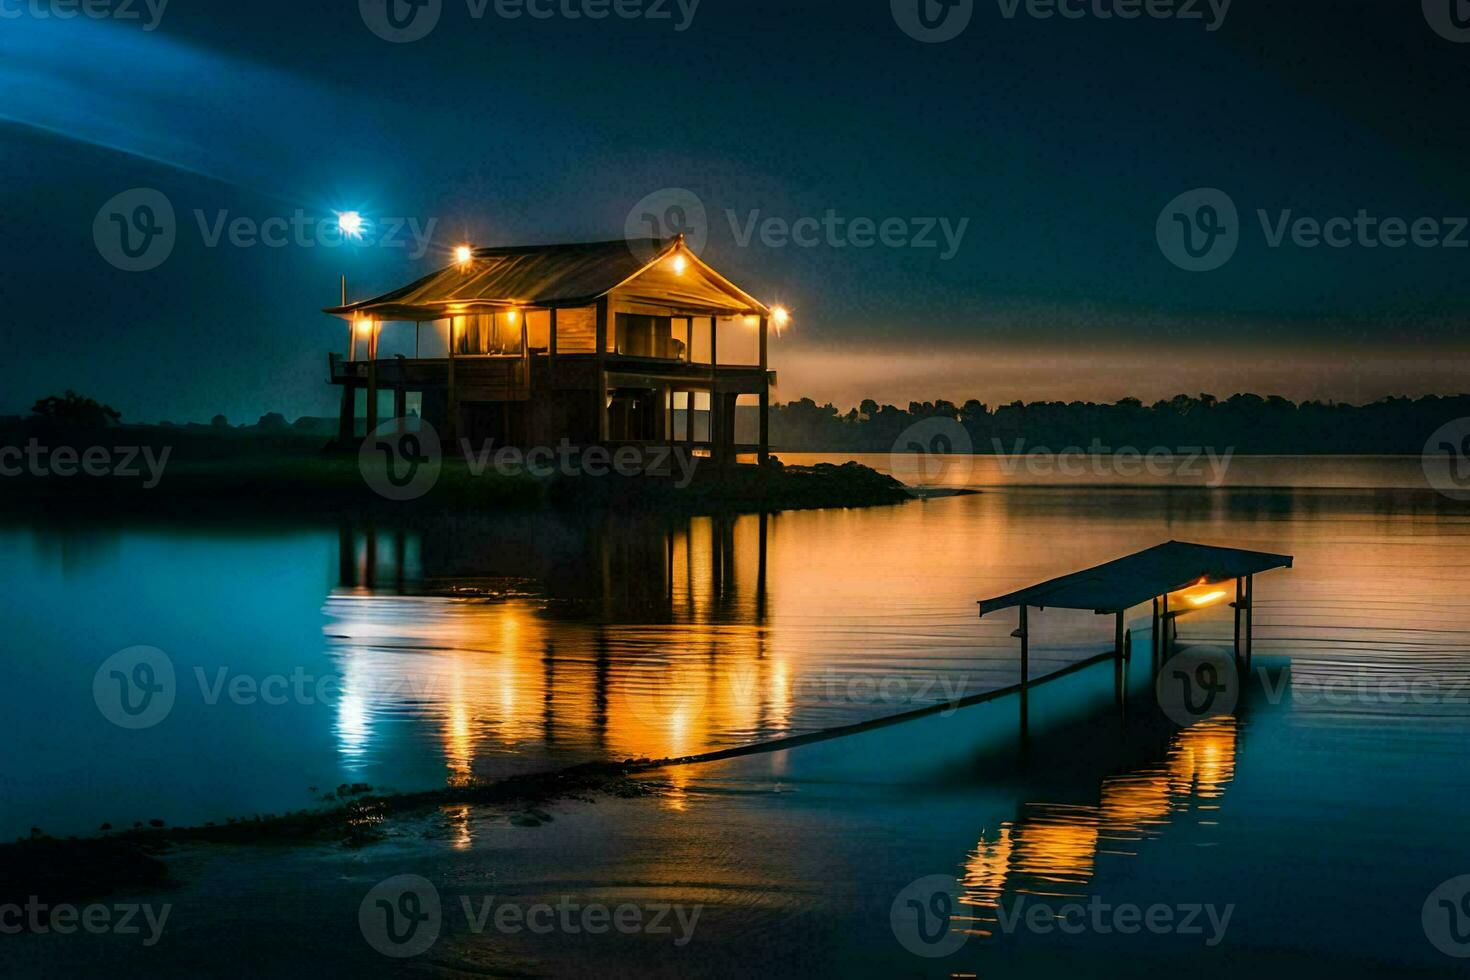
1060	140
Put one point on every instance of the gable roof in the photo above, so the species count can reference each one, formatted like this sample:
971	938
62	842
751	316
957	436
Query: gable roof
562	276
1129	581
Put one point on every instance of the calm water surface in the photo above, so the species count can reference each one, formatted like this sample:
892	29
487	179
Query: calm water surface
411	656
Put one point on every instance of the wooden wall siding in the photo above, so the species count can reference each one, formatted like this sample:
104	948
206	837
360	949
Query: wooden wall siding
576	330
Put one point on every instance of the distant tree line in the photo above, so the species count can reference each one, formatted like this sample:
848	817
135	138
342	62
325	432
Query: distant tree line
1245	422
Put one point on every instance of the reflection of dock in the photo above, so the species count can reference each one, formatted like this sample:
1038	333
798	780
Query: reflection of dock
1051	849
637	569
539	642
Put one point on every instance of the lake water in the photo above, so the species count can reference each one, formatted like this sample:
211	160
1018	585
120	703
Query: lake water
410	656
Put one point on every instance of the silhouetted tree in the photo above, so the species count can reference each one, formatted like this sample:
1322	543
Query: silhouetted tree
73	409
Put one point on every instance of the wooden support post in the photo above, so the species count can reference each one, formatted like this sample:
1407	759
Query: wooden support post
689	419
525	353
715	428
1154	644
418	332
1167	643
551	345
400	408
1239	602
602	410
1250	619
765	421
1025	634
1119	654
451	424
372	395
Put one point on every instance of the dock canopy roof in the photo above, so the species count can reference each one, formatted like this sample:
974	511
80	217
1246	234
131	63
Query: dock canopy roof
646	272
1138	578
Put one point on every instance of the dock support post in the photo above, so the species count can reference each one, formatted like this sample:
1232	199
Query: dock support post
1119	655
372	385
1154	639
400	408
1250	619
1025	634
451	422
765	425
1167	642
603	325
715	428
1238	607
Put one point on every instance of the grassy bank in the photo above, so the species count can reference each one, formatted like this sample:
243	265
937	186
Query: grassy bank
204	470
